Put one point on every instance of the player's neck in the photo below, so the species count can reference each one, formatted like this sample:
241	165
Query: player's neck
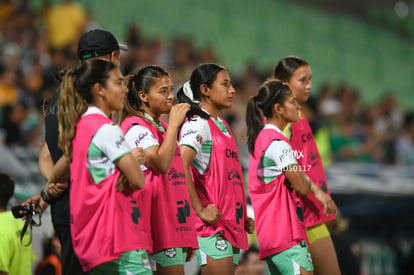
278	122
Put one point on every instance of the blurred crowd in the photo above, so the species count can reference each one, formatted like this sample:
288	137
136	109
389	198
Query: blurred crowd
36	44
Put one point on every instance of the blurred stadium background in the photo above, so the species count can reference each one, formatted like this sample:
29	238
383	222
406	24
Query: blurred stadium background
362	59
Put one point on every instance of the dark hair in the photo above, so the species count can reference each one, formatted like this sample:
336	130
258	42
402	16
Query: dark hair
6	189
76	94
287	66
141	81
271	92
203	74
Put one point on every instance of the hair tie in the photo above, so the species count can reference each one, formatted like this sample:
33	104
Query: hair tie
257	102
189	92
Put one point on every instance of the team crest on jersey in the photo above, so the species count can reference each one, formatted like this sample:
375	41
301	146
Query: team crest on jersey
221	244
199	139
170	253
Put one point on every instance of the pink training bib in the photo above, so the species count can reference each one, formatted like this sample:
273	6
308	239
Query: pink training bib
103	223
223	186
303	142
277	209
171	218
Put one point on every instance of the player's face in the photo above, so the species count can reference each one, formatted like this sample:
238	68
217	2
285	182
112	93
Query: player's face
160	98
114	91
222	92
300	83
289	109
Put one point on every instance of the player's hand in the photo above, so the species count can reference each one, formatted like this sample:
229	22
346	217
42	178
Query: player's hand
122	183
177	114
249	225
328	203
139	154
210	214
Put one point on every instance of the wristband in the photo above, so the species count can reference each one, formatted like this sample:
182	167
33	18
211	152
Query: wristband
44	197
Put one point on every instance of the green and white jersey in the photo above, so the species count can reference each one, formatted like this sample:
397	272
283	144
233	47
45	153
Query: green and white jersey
107	145
196	134
277	157
141	136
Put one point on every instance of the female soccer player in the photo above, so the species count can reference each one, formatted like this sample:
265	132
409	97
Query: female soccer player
107	237
172	225
276	181
213	171
296	73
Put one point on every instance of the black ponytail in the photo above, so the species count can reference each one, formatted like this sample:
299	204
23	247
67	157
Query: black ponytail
204	74
261	105
254	122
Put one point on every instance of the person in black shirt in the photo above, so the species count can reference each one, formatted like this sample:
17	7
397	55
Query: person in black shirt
96	43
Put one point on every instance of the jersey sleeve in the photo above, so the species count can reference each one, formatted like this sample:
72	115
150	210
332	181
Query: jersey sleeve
195	133
281	154
140	136
111	141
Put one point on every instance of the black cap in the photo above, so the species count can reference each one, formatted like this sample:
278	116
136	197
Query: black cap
98	42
